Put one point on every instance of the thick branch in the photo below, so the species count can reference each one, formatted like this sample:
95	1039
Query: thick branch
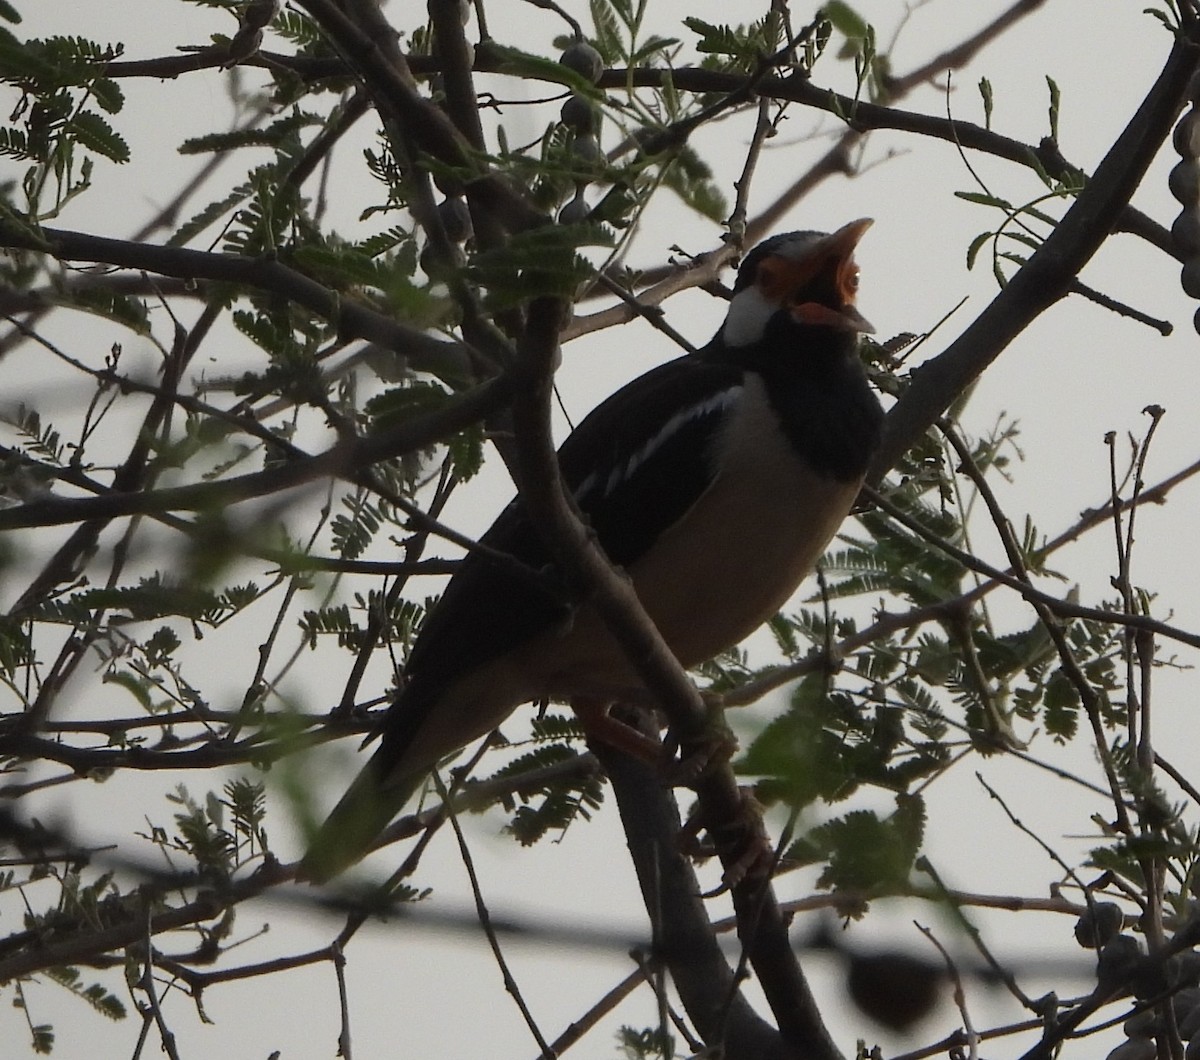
1049	272
762	928
390	82
684	939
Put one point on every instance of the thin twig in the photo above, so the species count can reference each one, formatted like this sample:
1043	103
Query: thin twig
960	995
166	1037
577	1028
485	922
339	968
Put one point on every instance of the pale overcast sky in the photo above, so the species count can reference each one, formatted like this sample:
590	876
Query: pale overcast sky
1077	373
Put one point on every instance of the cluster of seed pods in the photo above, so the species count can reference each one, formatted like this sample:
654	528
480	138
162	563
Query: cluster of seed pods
1121	963
1184	182
580	116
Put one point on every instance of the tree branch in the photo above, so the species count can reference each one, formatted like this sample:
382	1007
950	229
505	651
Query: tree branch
1048	274
724	811
450	360
344	460
684	938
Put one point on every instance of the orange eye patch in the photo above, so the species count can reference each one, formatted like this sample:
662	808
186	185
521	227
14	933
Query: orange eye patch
784	281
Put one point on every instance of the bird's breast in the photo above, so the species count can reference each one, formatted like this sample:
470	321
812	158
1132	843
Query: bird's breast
733	559
744	547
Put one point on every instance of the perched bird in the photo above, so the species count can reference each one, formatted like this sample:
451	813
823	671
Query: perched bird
715	480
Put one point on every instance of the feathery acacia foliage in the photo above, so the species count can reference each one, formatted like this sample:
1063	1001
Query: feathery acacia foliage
338	319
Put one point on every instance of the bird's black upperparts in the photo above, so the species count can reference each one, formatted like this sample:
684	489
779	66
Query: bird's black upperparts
715	480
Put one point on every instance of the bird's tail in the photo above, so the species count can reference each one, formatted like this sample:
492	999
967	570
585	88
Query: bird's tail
367	808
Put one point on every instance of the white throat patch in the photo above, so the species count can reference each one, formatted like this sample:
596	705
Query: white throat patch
747	318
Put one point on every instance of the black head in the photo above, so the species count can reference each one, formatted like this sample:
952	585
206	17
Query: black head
810	275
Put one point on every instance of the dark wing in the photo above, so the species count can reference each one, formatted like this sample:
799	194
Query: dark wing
634	466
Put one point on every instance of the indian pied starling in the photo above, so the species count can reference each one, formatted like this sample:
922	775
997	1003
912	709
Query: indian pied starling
715	480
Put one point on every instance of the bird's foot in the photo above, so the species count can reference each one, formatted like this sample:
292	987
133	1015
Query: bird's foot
633	725
698	755
742	844
755	861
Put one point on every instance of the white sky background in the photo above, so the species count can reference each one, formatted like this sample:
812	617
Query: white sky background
1077	373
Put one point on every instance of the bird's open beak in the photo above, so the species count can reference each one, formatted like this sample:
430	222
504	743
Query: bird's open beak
833	258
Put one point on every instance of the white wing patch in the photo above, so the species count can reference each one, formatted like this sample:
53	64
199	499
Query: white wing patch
625	471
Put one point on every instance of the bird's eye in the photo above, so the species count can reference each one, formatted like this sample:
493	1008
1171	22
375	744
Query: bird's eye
848	281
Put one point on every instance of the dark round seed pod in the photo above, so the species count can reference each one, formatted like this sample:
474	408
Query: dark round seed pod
1142	1024
1186	136
587	149
579	115
1186	232
576	211
584	60
447	183
1184	182
1119	956
893	988
1189	277
258	13
1098	924
428	260
436	266
1185	1001
1148	979
1189	1024
1185	968
245	43
1196	321
456	219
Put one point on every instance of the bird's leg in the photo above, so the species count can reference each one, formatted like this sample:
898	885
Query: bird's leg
632	726
635	731
690	842
742	843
